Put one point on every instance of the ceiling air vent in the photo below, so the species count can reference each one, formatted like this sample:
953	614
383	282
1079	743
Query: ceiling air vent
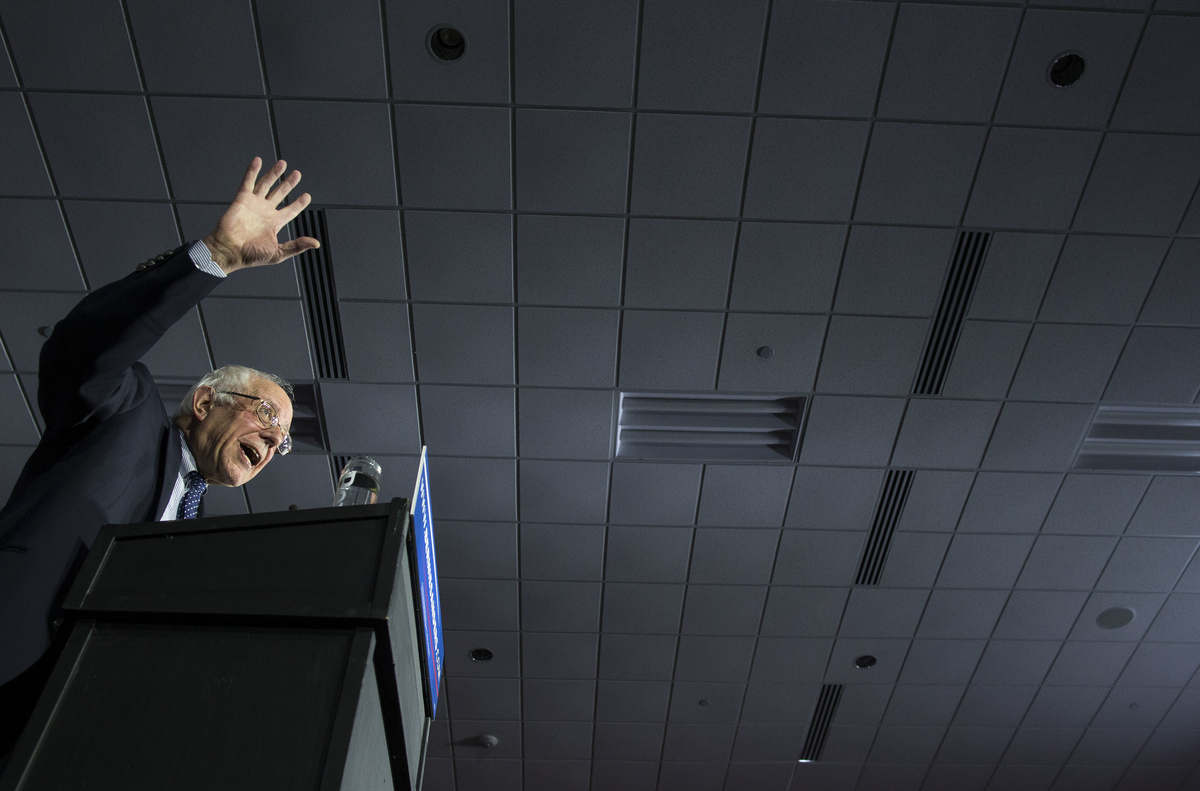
896	486
818	730
947	323
320	299
1142	439
709	428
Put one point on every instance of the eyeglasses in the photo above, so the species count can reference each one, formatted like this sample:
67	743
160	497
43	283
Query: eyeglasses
269	418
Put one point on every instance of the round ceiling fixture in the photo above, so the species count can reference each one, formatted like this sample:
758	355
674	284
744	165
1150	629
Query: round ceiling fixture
1066	69
765	352
487	740
704	701
480	655
447	43
1115	617
865	661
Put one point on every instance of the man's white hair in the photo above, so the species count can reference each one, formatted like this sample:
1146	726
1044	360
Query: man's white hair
230	377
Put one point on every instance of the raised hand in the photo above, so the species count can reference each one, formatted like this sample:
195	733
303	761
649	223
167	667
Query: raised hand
248	232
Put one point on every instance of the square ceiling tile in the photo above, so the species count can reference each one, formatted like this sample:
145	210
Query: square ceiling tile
469	421
222	501
957	777
459	256
994	706
464	343
817	557
624	775
1158	364
1184	712
1147	564
679	263
691	776
648	554
642	741
1117	746
946	63
788	267
804	169
1037	436
1095	503
311	49
502	774
944	433
560	606
219	37
1031	178
1068	362
1177	620
480	605
113	156
35	231
845	430
984	561
556	740
1065	707
569	260
804	37
564	491
112	237
566	424
1168	507
1144	605
505	648
1162	665
790	659
418	75
454	157
572	161
788	704
1008	502
689	165
985	359
1042	746
918	174
1153	96
795	342
733	556
1066	562
1167	748
562	552
1039	615
474	488
723	610
1190	581
366	248
863	705
341	146
378	346
552	655
961	614
79	45
487	699
1169	300
969	745
181	352
22	314
868	355
833	498
697	742
913	559
935	501
803	612
567	346
267	334
927	704
904	744
1016	661
712	658
642	608
890	655
670	350
479	550
1029	98
704	60
724	702
1102	278
655	494
559	699
591	64
882	612
22	171
893	271
941	661
1014	276
744	495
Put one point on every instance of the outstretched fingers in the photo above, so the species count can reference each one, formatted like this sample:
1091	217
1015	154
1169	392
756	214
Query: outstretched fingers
264	184
283	188
297	246
293	209
250	175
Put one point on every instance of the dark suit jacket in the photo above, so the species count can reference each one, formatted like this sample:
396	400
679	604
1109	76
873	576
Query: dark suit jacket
109	453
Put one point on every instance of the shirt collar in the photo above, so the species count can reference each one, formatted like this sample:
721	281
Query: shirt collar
189	461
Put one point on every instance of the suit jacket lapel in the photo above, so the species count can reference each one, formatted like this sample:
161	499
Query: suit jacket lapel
172	456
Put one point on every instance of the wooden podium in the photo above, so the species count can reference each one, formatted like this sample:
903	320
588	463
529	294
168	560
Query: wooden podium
272	651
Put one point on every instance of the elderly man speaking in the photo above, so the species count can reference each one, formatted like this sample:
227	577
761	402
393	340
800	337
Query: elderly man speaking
110	452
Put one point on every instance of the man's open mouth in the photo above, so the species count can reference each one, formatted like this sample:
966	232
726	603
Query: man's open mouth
251	454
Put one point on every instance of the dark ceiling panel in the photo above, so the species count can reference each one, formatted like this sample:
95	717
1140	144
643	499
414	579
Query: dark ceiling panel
564	491
1155	95
22	171
786	266
1158	364
566	424
795	345
454	157
1008	502
669	350
478	550
1096	504
985	359
566	552
647	554
1068	362
300	479
804	169
267	334
655	494
569	260
1140	184
114	237
370	418
678	263
1067	562
642	608
482	75
1170	300
218	36
590	63
744	495
567	346
22	314
689	164
833	498
459	256
467	344
37	249
313	49
207	142
349	146
378	347
1014	277
475	488
569	161
893	271
469	421
366	247
864	354
71	45
1167	507
1036	436
182	352
850	430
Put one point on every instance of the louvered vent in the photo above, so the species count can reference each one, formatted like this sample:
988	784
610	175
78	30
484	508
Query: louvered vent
1142	439
818	730
709	428
896	486
320	299
947	323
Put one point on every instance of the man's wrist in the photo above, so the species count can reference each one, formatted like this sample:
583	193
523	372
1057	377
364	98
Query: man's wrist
222	256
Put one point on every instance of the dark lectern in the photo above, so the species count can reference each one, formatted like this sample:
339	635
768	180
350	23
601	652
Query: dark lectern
274	651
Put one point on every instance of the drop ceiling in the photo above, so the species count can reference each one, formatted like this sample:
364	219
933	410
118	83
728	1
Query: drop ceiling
636	196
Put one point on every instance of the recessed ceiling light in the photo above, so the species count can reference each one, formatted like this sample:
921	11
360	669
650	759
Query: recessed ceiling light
1115	617
447	43
1066	69
481	655
865	661
766	352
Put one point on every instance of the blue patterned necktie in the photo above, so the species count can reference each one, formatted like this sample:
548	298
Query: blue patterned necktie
196	487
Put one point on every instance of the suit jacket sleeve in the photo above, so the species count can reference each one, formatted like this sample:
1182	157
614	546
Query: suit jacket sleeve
84	371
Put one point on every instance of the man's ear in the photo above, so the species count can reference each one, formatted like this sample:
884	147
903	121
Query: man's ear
203	401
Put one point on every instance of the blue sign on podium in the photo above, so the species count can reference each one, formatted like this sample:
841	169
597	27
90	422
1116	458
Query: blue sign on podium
427	581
